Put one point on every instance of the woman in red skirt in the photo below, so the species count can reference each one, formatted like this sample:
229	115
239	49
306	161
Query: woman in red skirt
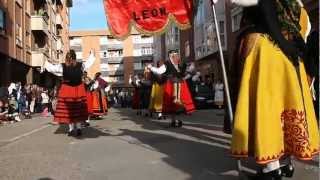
99	99
88	82
177	97
72	107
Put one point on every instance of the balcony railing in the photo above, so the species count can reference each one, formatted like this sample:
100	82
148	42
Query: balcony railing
45	50
39	23
115	59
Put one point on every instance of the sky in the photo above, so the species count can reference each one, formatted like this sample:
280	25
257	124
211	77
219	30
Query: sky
87	14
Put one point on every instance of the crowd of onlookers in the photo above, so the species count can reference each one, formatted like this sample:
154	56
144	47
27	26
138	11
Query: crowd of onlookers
18	102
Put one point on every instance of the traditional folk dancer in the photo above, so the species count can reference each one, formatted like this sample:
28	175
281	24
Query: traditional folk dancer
135	82
156	98
145	91
72	101
88	82
177	97
274	116
99	98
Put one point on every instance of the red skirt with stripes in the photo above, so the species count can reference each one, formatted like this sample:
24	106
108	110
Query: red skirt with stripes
90	102
99	103
72	104
185	96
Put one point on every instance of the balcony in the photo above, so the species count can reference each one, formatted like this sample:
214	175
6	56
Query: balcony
59	21
104	47
38	58
115	60
39	23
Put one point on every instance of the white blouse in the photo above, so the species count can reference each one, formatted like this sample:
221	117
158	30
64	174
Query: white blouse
57	69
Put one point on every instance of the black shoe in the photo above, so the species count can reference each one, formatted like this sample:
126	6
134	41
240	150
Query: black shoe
272	175
287	171
79	133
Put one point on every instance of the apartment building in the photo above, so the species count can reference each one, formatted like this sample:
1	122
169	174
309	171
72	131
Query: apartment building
199	43
28	37
116	60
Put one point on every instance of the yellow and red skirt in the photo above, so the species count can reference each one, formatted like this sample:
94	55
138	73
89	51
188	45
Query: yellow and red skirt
185	96
274	113
156	99
72	104
99	103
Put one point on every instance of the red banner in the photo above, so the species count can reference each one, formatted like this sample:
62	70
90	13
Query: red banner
148	16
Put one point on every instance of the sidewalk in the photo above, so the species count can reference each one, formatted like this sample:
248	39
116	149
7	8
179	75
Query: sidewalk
15	131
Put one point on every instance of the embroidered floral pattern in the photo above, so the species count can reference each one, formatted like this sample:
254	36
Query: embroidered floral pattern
295	129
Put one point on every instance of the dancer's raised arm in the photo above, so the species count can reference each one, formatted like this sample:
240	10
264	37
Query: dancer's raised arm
55	69
89	62
158	71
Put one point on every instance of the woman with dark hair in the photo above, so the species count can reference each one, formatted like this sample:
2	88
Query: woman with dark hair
274	117
72	101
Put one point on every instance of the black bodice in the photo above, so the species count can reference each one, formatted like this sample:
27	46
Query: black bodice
72	75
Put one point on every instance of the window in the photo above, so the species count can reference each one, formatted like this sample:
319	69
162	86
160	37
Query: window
221	26
115	78
236	20
146	51
2	20
28	41
18	35
187	49
176	34
138	66
223	43
114	53
115	67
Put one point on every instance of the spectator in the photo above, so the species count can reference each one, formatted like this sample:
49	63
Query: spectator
3	111
13	109
45	102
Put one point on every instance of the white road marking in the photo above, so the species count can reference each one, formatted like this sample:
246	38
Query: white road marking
27	134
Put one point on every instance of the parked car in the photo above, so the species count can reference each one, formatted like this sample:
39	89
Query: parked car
204	97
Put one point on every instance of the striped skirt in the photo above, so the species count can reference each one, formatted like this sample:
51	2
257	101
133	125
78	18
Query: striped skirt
185	96
72	104
99	103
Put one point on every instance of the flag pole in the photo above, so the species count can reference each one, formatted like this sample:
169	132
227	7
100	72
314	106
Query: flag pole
225	78
226	84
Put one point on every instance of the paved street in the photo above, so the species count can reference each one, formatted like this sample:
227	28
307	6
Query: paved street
123	146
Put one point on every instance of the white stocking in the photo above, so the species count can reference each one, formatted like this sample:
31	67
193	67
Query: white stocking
271	166
71	127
